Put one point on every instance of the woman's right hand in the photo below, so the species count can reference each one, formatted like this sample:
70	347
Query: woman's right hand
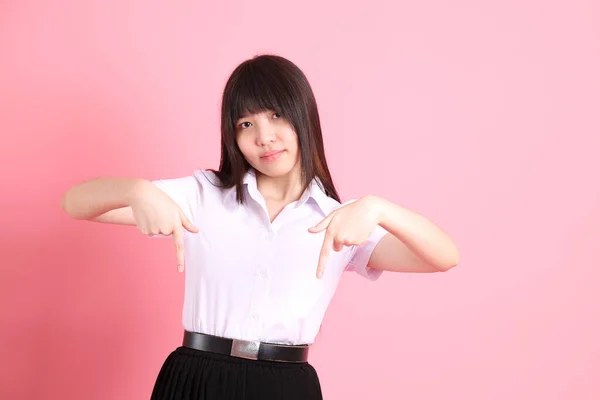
156	213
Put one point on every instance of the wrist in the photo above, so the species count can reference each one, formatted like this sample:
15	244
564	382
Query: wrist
377	206
138	190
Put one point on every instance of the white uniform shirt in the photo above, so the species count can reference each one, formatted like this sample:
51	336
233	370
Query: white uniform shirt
248	278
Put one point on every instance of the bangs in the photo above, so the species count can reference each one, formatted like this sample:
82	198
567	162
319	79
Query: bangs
258	88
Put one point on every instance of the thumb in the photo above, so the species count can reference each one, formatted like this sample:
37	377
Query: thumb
321	226
187	224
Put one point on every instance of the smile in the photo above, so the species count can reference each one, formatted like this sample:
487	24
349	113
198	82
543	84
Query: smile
272	155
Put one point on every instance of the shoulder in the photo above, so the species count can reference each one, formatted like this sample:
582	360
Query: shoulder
212	190
326	204
329	205
197	178
199	184
207	177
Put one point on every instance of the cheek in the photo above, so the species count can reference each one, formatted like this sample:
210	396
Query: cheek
290	138
293	143
244	146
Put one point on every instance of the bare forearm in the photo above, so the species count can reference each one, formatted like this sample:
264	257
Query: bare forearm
97	196
419	234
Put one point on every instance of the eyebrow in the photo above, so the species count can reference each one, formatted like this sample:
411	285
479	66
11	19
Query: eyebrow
247	114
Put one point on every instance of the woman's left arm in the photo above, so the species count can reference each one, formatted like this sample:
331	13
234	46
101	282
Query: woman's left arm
415	244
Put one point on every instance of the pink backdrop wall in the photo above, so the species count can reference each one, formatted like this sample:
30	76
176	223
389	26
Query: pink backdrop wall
482	116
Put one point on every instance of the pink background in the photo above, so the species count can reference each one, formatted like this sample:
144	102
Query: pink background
483	116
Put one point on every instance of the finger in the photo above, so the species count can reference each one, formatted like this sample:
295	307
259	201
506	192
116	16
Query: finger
178	238
187	224
324	255
321	226
338	245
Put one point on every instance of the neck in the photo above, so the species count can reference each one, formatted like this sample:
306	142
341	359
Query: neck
286	189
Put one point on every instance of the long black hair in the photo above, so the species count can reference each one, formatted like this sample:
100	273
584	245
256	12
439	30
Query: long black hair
271	82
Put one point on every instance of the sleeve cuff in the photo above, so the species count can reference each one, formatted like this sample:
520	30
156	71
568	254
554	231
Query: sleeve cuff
362	254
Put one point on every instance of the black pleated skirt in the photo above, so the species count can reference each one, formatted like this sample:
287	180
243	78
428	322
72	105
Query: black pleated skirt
189	374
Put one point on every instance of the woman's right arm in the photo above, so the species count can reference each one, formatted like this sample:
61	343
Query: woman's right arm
129	201
105	199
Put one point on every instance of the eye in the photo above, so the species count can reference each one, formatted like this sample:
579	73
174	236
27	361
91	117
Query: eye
276	115
244	125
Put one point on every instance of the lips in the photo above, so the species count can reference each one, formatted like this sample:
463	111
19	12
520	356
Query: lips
271	153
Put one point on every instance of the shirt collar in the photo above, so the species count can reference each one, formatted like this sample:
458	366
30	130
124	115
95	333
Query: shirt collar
314	192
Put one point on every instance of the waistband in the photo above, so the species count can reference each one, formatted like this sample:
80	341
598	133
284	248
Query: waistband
252	350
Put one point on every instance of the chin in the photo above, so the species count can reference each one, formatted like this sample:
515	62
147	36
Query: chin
274	171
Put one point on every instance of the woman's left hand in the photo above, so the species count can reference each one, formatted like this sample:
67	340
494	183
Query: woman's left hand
349	225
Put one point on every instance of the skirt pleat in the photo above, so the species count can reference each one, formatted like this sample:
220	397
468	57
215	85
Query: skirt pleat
189	374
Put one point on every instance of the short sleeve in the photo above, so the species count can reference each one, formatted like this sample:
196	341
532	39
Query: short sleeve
185	192
361	255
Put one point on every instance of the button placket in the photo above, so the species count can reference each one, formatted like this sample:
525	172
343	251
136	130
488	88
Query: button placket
261	283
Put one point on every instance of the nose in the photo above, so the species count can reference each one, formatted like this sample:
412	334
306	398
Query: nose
265	134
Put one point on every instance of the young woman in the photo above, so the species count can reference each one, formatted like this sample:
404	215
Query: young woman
265	241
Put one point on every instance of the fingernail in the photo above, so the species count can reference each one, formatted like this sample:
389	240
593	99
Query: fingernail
180	268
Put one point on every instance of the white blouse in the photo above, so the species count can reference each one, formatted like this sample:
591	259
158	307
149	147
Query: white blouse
247	278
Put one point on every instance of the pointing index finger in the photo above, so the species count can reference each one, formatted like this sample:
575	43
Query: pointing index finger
178	238
327	243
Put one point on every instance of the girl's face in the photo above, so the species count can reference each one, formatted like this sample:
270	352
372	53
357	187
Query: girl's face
269	143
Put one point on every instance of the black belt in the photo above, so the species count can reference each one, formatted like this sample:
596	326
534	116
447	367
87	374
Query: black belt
251	350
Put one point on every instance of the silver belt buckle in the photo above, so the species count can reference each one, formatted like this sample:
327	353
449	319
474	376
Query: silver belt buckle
245	349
